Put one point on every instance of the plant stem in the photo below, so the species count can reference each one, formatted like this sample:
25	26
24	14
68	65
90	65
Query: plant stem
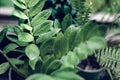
108	71
29	23
12	64
10	72
28	19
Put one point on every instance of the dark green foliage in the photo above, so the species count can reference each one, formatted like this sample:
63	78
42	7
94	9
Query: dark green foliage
67	21
62	11
46	36
60	8
4	67
70	35
9	48
2	34
47	47
60	46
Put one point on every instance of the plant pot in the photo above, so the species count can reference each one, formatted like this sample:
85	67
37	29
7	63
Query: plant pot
91	74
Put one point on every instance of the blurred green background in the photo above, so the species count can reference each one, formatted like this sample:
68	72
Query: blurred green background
6	3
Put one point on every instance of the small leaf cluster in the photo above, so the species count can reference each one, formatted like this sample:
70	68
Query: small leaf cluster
28	36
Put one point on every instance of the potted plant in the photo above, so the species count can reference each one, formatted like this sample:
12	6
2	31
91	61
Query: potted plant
50	52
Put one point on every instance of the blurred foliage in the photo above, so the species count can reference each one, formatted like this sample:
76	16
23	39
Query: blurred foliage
60	8
6	3
104	5
82	11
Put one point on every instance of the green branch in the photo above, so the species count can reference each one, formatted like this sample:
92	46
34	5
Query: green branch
12	64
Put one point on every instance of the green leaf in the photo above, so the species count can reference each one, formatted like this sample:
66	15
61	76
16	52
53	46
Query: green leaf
67	69
96	43
19	4
9	47
2	34
47	36
47	60
88	30
84	33
17	29
44	15
72	59
4	67
82	51
16	61
9	27
46	47
67	21
79	37
56	24
22	1
70	34
39	25
60	46
45	27
54	65
22	43
37	8
94	31
66	63
12	38
39	77
32	51
67	76
25	37
32	3
19	50
15	39
32	63
81	54
19	14
27	27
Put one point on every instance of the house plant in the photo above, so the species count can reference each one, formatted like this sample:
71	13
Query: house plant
50	52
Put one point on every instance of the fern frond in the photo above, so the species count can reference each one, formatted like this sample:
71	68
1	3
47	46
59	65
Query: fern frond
110	59
82	11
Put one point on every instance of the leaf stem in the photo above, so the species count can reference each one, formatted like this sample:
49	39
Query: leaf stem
108	71
12	64
29	23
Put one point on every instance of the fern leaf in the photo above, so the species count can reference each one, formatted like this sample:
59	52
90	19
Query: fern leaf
82	11
110	59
